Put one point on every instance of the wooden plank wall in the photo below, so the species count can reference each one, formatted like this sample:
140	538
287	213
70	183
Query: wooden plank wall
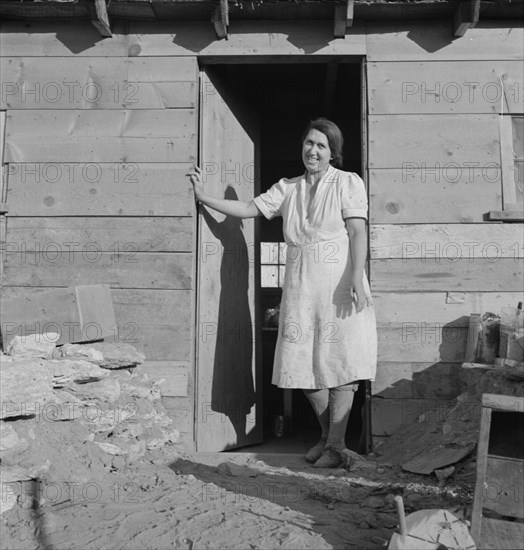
97	147
101	133
434	173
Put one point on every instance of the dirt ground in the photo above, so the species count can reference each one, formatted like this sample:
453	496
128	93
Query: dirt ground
173	499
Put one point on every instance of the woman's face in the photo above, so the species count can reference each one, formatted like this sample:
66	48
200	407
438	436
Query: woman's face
316	152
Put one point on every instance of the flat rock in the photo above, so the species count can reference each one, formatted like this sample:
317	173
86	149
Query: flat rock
65	407
10	481
118	355
171	436
78	351
436	459
109	355
106	390
67	371
373	502
33	345
445	473
10	440
26	387
110	448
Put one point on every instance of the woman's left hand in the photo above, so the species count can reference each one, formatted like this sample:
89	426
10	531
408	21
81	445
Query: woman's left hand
361	299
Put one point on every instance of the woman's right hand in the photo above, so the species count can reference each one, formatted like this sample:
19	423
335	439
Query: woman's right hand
195	177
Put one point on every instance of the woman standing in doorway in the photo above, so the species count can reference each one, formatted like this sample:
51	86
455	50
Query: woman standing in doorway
327	339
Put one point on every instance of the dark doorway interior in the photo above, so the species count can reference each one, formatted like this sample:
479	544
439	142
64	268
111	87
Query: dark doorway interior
286	97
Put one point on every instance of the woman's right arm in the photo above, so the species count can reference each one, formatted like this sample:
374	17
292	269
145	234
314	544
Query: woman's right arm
238	209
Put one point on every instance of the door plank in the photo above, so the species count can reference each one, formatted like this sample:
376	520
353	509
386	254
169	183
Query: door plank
228	379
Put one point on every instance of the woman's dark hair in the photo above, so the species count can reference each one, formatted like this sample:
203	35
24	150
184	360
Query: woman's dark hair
333	134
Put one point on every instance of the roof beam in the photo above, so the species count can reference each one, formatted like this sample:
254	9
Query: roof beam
466	17
100	19
343	18
221	19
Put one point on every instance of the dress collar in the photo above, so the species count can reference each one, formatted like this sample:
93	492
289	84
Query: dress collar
329	171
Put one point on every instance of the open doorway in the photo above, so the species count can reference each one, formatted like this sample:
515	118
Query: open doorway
285	97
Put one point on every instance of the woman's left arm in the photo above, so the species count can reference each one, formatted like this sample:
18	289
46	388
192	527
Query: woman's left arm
358	248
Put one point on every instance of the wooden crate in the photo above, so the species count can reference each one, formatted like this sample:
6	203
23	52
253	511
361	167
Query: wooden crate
498	502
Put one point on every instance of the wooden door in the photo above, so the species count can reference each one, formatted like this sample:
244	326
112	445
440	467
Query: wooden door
228	379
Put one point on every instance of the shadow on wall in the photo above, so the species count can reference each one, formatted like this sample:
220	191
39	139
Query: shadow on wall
419	379
232	390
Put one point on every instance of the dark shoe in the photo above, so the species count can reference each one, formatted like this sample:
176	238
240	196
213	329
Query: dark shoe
315	452
329	459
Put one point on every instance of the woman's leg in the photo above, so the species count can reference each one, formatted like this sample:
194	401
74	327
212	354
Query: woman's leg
319	400
340	402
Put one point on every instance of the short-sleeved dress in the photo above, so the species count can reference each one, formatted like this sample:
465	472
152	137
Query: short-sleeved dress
322	341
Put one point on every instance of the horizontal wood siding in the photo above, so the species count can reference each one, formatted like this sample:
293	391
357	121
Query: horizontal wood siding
433	141
448	242
97	83
123	235
148	135
434	173
250	39
97	190
419	193
429	41
441	87
99	165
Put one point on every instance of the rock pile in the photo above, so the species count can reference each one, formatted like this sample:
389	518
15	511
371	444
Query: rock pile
73	415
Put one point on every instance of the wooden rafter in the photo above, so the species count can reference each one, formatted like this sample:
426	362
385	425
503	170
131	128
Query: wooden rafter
100	19
466	17
221	19
343	18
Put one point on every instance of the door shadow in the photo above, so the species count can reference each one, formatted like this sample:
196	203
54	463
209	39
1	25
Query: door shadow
232	389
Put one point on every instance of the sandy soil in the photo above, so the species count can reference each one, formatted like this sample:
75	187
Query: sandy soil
172	499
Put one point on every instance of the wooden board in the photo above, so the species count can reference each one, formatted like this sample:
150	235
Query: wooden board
380	40
509	152
506	215
399	380
434	459
442	308
53	267
444	87
181	38
101	136
181	411
498	40
447	241
434	275
124	234
498	486
175	376
228	367
501	534
433	141
419	193
98	83
2	174
157	342
60	39
422	343
99	189
504	493
77	314
159	322
255	39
